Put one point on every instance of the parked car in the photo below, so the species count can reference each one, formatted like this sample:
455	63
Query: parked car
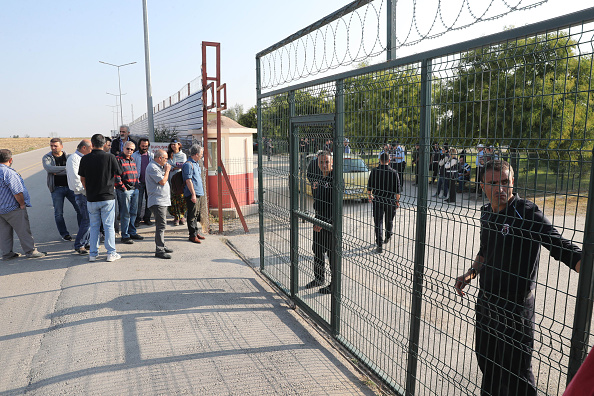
355	174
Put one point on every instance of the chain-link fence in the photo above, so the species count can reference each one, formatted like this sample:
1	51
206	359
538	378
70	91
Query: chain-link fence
443	119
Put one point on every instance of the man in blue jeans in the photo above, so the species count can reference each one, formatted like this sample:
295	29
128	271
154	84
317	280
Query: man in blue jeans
97	174
54	164
74	183
127	193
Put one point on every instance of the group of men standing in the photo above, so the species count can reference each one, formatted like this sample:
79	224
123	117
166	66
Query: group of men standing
98	178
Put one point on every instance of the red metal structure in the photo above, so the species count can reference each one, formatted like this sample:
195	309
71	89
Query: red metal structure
213	83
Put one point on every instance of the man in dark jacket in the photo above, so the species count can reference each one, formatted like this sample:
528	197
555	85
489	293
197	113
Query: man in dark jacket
117	145
512	231
322	238
383	188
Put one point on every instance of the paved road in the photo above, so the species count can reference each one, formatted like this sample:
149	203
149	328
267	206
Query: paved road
201	323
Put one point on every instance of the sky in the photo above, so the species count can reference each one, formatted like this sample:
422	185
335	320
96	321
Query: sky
52	84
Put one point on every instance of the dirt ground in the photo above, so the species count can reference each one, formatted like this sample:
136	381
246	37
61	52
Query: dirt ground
22	145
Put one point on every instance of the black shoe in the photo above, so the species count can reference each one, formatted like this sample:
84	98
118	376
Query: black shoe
127	241
326	289
82	251
167	250
67	237
137	237
379	249
136	224
314	283
162	255
148	222
88	247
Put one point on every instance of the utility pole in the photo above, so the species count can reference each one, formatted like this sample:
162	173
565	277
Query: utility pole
147	64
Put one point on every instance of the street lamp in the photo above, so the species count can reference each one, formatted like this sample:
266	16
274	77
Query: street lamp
116	98
120	85
114	117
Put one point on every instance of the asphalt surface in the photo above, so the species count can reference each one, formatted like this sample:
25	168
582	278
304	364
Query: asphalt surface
202	323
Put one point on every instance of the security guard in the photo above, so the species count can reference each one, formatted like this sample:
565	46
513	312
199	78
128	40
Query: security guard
512	232
322	238
383	189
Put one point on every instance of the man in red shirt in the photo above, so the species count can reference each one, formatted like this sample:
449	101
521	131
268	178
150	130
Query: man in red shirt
126	186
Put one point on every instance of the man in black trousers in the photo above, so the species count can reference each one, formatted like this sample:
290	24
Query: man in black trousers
322	238
383	188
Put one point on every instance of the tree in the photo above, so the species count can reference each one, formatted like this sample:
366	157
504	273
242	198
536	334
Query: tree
248	119
234	112
164	134
531	94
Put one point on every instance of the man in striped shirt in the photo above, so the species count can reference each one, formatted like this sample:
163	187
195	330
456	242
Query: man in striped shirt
14	199
126	186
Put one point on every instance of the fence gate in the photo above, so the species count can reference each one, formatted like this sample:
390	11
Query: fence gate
526	94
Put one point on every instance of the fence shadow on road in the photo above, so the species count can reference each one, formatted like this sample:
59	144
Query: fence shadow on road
204	336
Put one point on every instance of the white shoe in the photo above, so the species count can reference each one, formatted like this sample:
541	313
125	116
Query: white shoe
440	195
92	258
113	257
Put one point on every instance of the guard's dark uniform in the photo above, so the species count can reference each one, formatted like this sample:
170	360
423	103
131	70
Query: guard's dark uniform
384	184
322	241
510	245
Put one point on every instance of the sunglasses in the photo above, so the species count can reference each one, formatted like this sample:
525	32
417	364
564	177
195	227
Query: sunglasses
129	148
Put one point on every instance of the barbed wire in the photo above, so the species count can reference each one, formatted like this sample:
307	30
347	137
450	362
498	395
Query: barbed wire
360	35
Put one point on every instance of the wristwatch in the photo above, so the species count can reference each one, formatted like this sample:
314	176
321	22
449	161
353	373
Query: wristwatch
472	273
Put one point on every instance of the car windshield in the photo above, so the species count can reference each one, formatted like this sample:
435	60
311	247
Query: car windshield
354	165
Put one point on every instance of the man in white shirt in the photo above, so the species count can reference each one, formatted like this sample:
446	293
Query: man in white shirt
74	183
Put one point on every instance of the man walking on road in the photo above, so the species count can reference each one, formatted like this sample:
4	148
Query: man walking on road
142	158
383	188
159	199
14	199
97	173
322	238
54	164
74	183
512	231
193	191
127	194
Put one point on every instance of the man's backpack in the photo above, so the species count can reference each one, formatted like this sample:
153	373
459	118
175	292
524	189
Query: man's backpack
177	183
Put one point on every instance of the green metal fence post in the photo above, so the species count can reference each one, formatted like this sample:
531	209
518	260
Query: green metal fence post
260	174
391	29
337	204
421	231
294	194
585	293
